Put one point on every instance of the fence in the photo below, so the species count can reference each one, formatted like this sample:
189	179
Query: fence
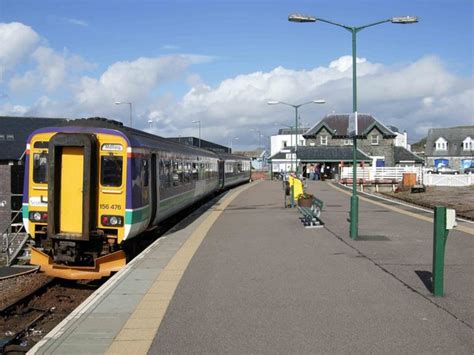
396	173
448	180
383	173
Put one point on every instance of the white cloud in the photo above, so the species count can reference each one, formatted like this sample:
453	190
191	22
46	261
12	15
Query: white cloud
414	96
131	81
17	42
77	22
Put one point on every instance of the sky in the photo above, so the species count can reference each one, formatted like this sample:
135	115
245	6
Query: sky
220	62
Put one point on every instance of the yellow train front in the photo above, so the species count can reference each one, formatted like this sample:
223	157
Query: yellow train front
91	185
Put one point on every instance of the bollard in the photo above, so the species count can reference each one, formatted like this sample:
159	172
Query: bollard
444	220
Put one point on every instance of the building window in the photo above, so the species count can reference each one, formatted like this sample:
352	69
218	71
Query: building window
2	137
284	144
374	139
10	137
468	144
324	140
348	142
441	145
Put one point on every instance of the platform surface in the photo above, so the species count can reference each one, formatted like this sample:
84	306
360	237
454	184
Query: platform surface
247	277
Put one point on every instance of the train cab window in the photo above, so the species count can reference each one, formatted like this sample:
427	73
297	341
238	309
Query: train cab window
40	168
111	171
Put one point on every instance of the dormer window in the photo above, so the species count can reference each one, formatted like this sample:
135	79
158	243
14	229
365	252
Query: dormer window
374	139
441	144
468	144
324	140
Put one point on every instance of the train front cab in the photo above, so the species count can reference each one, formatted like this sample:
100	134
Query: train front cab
76	203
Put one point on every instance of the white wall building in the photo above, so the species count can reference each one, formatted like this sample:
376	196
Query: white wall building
284	140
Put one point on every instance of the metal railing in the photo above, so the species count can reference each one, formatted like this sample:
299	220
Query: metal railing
8	240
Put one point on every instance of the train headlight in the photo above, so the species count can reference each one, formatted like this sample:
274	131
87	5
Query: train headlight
36	216
116	221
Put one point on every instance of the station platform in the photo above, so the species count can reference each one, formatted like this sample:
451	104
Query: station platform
245	276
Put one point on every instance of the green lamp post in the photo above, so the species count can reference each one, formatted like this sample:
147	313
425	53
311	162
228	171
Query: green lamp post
296	107
354	214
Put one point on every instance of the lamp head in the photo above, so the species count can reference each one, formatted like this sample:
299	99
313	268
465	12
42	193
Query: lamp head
404	20
273	102
319	102
301	18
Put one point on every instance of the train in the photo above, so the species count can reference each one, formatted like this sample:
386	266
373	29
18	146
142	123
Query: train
92	186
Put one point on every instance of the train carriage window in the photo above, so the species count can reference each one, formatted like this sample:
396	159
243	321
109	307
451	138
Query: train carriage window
195	171
187	172
111	171
165	168
40	168
175	174
146	174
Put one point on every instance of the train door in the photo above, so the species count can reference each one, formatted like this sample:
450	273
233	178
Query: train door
72	186
154	184
71	194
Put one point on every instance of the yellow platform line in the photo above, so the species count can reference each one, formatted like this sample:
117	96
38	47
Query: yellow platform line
402	211
137	335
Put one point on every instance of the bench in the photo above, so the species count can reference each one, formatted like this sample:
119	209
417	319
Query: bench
311	214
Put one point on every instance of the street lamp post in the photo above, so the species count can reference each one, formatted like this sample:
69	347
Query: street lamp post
397	20
198	122
296	107
126	103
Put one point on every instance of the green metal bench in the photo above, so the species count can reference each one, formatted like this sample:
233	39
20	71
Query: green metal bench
311	214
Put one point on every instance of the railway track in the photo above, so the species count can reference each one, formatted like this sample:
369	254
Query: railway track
27	317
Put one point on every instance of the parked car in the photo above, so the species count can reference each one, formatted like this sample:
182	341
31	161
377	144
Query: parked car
443	170
469	170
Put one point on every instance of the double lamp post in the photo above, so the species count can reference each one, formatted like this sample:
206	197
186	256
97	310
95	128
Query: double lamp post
354	214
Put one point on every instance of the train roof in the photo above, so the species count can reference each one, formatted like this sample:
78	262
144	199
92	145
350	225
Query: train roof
229	156
136	137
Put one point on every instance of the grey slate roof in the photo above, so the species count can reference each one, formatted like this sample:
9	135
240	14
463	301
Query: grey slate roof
288	131
325	154
337	124
454	135
402	154
20	128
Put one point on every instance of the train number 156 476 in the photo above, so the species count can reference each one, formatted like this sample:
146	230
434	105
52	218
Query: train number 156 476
106	206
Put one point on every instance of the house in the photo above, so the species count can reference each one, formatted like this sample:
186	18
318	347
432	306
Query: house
282	146
382	145
14	132
285	138
453	147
